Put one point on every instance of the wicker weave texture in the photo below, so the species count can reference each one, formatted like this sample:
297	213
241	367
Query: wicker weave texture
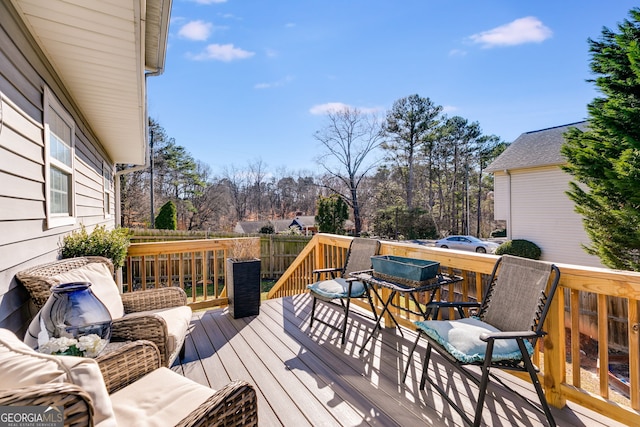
233	405
153	299
76	403
122	364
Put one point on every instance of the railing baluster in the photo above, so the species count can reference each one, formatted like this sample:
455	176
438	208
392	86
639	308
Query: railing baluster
574	309
634	352
603	345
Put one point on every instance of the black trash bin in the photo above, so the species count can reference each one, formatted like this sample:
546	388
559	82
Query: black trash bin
243	287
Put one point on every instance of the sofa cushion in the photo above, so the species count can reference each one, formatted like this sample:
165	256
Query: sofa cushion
177	320
102	285
337	288
461	338
21	366
161	398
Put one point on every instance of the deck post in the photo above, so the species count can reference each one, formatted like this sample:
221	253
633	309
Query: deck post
554	352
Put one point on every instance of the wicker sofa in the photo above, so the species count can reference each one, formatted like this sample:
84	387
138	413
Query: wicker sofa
158	315
126	386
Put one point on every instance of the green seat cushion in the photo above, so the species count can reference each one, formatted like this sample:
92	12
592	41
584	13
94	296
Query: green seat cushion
461	338
337	288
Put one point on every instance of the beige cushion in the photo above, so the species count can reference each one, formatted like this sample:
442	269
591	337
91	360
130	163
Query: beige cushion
161	398
102	285
177	320
21	366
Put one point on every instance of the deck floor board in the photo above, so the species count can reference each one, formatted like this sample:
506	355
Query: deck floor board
304	376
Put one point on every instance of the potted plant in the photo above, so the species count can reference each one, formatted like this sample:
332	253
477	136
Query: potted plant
243	278
112	244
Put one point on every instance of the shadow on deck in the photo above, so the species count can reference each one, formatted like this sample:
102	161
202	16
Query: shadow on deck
306	378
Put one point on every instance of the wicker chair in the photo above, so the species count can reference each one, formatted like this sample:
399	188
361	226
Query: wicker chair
140	320
127	371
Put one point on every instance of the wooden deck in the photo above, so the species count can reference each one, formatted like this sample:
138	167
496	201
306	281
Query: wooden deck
306	378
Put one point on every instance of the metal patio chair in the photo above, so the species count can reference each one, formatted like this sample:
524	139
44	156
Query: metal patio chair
339	290
502	335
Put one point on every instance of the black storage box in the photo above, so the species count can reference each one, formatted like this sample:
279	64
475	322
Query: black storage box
243	287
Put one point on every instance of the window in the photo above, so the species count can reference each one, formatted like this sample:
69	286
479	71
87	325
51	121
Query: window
59	131
107	185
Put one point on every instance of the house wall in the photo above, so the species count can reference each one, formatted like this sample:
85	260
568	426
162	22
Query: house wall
501	192
542	213
25	239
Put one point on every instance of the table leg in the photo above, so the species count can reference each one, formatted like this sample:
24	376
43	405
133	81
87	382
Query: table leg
385	307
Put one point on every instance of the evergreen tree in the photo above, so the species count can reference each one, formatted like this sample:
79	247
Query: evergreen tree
332	213
605	159
410	125
167	218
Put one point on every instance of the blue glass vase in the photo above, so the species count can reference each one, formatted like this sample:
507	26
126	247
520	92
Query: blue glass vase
72	322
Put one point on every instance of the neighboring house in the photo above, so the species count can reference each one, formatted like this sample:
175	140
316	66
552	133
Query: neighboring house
306	225
530	195
72	106
253	227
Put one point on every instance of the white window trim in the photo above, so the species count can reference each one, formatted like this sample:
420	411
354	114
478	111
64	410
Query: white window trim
107	186
58	220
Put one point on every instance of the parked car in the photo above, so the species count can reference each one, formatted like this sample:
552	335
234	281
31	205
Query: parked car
467	243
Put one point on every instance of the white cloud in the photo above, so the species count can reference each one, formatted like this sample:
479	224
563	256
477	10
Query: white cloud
278	83
524	30
289	25
222	52
196	30
446	109
457	52
336	107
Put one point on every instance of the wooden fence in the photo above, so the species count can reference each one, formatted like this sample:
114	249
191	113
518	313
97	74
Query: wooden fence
277	251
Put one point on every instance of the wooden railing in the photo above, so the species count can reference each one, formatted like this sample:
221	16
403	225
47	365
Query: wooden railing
552	355
277	251
197	266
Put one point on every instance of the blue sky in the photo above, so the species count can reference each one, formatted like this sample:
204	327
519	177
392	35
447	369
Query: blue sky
250	80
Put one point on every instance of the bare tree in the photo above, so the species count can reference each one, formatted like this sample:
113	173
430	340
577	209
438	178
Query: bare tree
348	138
237	184
257	173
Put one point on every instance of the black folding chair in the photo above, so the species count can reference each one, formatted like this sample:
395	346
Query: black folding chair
339	290
502	335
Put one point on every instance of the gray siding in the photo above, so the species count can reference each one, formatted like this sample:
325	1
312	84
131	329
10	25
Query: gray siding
24	237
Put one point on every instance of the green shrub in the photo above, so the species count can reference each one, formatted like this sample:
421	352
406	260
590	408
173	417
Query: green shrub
167	218
519	247
267	229
499	233
112	244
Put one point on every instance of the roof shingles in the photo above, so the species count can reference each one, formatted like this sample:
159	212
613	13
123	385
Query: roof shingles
535	149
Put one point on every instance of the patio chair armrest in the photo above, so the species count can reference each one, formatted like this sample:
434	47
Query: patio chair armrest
233	405
77	404
320	271
508	335
127	363
454	304
153	299
143	326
